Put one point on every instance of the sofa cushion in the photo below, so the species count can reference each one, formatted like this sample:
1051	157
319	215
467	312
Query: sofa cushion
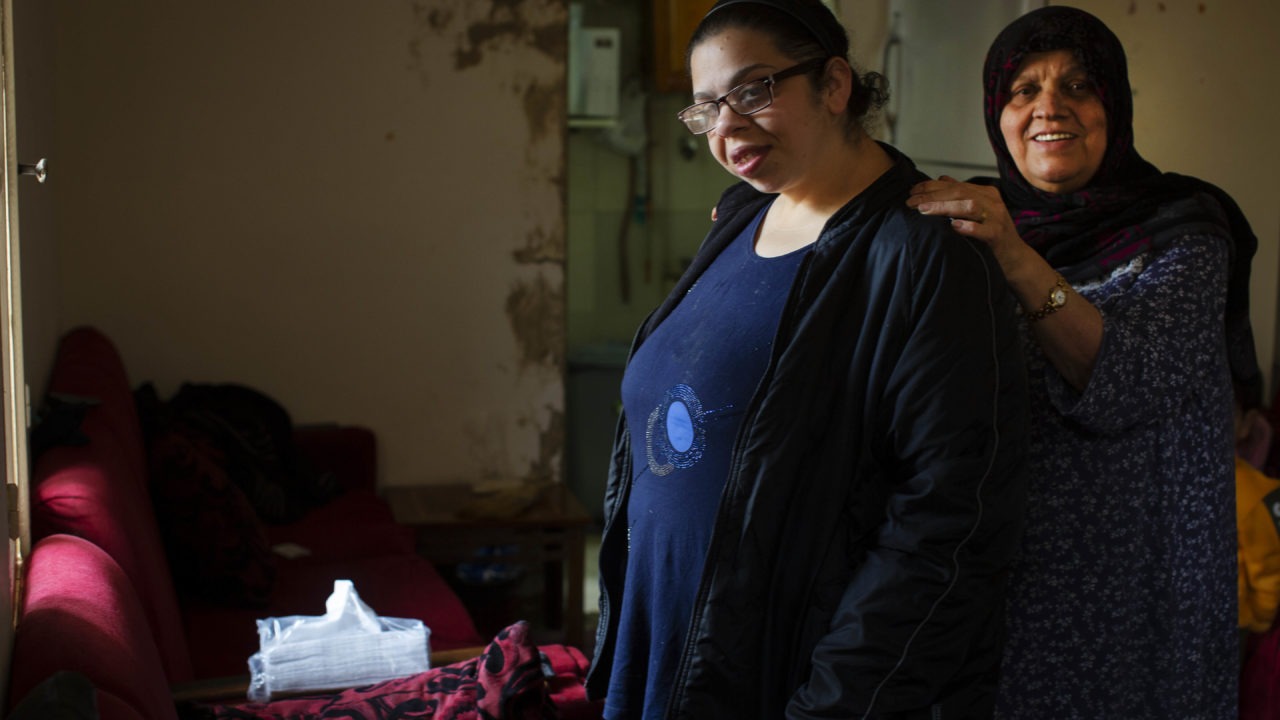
357	524
98	490
86	492
111	707
88	367
216	544
81	615
64	695
347	452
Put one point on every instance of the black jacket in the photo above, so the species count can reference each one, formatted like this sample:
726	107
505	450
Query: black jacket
876	493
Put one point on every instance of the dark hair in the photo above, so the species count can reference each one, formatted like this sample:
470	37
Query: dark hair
817	35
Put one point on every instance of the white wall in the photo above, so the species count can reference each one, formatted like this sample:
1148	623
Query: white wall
356	208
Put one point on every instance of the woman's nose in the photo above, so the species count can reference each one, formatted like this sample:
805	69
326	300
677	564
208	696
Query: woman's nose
728	120
1049	103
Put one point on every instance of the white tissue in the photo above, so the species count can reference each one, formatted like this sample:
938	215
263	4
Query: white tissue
347	646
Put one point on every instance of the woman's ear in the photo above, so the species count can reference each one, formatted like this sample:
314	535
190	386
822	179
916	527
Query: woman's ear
837	84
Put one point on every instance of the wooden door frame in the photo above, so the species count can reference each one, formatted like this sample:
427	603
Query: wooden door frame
13	385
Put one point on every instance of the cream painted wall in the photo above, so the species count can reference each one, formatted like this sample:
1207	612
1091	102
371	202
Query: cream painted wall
867	22
1204	104
33	61
356	208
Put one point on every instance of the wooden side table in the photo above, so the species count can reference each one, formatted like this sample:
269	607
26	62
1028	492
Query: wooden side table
547	524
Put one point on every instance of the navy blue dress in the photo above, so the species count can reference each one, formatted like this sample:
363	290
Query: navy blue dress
1123	604
684	394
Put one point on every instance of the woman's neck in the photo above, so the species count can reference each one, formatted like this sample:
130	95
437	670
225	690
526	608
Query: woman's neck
797	216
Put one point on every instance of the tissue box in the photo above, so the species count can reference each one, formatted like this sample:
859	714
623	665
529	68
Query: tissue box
347	646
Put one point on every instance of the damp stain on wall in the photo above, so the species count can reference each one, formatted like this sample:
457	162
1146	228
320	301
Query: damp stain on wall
544	107
473	29
435	17
541	248
535	309
551	439
520	47
1163	7
474	34
470	32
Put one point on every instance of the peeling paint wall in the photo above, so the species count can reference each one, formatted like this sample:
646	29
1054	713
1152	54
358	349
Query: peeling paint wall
497	32
358	209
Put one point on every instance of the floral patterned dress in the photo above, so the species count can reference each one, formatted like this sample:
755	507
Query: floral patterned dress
1123	602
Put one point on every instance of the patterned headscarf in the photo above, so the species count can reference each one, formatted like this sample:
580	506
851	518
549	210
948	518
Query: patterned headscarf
1128	206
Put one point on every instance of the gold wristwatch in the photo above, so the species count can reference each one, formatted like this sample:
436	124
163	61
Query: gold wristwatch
1057	298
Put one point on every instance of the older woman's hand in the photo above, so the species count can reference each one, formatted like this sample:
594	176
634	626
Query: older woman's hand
1070	337
976	211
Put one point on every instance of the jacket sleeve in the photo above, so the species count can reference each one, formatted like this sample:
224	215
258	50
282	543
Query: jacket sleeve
1160	336
923	610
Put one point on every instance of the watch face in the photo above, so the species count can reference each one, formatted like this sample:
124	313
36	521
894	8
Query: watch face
1059	297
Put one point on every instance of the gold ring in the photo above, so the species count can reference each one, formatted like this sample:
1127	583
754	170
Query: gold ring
983	219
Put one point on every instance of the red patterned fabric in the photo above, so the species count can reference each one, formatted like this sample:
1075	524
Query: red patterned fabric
505	681
566	667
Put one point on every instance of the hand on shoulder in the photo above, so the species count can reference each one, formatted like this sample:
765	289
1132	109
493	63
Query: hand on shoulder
975	211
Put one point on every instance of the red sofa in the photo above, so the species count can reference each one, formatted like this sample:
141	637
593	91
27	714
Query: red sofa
83	618
99	594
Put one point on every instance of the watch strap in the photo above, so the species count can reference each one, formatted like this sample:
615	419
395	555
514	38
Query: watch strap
1057	298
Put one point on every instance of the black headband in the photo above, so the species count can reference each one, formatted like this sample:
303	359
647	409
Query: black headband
815	17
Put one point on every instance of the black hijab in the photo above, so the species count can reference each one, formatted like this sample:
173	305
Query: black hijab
1128	206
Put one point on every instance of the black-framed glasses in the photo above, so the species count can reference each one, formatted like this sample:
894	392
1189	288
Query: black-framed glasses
748	98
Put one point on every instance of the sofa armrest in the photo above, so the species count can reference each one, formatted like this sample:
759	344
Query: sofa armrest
81	615
347	451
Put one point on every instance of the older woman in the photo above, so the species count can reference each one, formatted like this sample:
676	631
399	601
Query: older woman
1133	286
817	483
